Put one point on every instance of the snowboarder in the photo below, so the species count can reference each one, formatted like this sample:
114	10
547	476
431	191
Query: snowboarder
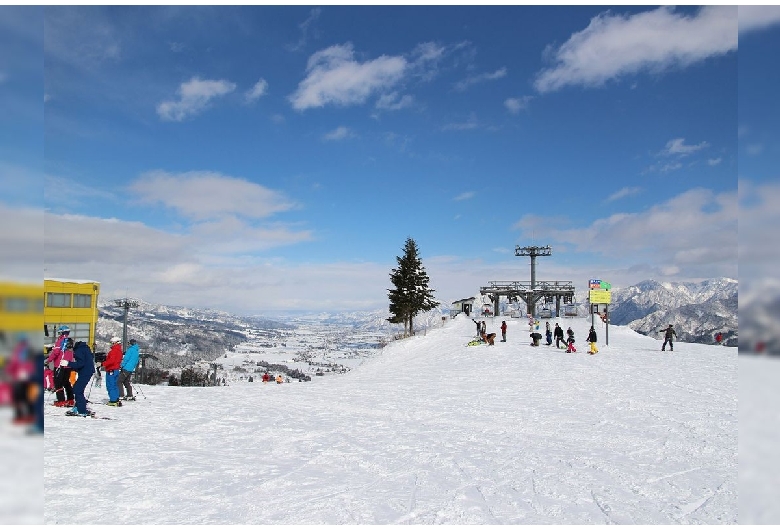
570	341
126	369
503	331
111	365
592	339
669	334
558	334
84	366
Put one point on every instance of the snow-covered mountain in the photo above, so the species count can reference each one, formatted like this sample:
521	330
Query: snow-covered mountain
696	310
178	336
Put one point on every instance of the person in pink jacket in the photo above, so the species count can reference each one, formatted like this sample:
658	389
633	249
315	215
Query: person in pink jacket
20	369
60	357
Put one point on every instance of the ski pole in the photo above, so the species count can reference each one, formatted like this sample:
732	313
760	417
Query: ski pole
90	388
138	388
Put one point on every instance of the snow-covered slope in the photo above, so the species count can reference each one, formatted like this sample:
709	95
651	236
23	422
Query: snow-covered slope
430	431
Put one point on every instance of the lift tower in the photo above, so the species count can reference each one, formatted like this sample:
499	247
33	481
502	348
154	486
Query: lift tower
126	304
533	252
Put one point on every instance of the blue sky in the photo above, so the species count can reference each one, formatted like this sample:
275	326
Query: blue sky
256	158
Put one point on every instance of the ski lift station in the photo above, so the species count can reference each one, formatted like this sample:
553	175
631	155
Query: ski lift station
465	305
558	292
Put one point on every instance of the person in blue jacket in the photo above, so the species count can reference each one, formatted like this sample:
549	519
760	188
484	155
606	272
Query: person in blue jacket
84	366
129	363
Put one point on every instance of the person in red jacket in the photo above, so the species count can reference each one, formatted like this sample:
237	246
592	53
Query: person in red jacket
111	367
503	331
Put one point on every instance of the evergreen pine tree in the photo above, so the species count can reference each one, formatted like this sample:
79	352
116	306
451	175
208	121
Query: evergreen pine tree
411	294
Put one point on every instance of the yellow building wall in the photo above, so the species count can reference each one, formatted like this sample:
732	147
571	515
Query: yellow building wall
81	320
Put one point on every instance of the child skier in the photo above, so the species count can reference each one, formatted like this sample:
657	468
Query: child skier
570	341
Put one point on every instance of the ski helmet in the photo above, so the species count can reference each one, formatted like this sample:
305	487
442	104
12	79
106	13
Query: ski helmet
64	329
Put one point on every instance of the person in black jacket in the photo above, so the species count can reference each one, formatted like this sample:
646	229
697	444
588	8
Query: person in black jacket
592	339
84	365
558	334
668	337
570	341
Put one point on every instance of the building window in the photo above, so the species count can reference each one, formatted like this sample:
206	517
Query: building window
57	299
82	300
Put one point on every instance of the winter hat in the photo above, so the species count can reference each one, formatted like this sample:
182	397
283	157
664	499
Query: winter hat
132	341
115	339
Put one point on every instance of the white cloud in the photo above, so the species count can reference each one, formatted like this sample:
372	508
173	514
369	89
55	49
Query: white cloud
714	161
464	196
334	77
624	192
481	78
394	101
208	195
21	259
678	147
754	149
758	17
515	105
617	45
259	90
695	231
304	26
194	96
339	133
470	123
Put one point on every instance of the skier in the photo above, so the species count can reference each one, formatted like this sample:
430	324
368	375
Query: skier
126	369
20	370
548	334
84	365
558	334
570	341
61	377
503	331
592	339
669	334
111	365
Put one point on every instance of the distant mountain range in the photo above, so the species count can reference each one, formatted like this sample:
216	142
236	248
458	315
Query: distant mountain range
696	310
179	336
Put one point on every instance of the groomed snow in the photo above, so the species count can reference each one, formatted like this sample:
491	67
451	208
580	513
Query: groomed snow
430	431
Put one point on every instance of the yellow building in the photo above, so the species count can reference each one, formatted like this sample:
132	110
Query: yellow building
21	310
72	303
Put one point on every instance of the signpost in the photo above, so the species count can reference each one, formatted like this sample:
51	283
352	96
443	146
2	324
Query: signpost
600	297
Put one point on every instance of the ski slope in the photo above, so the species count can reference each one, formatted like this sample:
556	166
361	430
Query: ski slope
429	432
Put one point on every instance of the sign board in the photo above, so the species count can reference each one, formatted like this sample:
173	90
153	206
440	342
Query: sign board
598	309
606	285
600	297
594	284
